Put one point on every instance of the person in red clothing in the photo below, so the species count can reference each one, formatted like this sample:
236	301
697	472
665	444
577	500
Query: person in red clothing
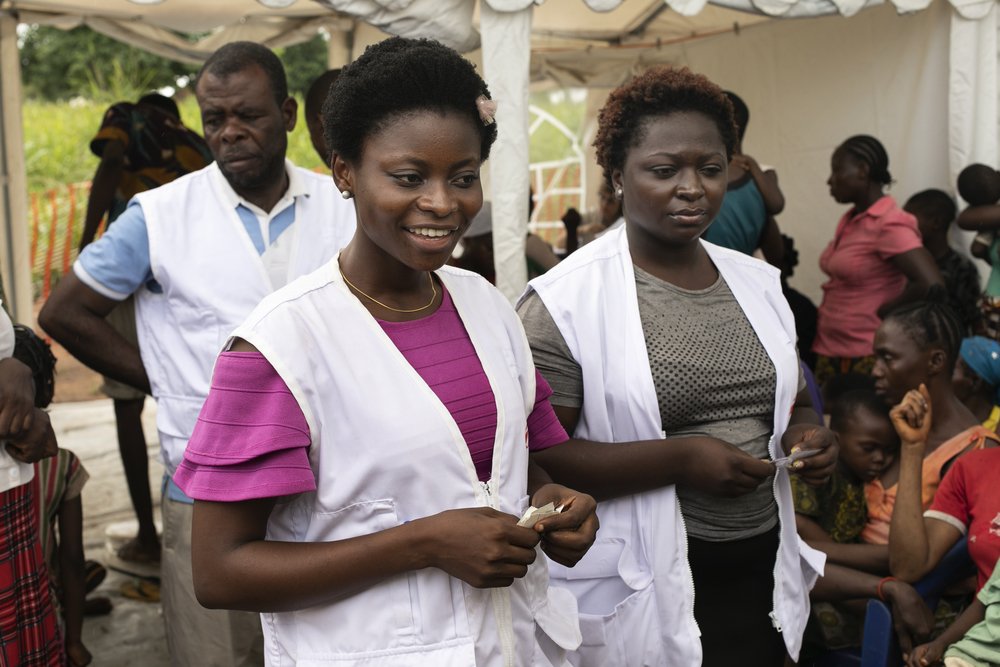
875	261
967	505
29	630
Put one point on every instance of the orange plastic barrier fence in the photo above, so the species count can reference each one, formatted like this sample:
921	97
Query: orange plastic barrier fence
54	237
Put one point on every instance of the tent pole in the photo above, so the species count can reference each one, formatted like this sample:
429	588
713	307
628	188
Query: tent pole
506	40
15	270
973	131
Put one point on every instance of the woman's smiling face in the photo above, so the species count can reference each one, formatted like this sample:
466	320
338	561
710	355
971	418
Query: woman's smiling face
674	178
416	186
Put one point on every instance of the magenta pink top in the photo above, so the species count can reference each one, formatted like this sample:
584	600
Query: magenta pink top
862	277
252	440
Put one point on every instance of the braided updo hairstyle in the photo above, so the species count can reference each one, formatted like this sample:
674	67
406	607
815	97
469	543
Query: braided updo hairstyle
396	77
657	92
870	151
931	323
37	355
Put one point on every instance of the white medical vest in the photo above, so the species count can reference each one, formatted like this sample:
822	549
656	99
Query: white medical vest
645	612
385	450
211	278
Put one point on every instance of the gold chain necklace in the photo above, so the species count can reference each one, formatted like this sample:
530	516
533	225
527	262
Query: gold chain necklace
430	303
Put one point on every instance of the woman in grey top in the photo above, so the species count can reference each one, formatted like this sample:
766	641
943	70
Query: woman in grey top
664	142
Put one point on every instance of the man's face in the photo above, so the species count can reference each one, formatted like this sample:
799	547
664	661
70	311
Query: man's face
245	127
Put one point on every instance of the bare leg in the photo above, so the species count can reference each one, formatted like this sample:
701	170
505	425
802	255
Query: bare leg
132	447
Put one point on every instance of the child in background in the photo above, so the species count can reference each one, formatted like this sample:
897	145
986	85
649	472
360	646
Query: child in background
61	479
979	185
830	518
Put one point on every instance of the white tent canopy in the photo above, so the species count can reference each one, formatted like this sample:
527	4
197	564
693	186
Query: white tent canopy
925	83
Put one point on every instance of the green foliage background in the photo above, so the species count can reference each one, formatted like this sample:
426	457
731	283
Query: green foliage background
71	77
57	138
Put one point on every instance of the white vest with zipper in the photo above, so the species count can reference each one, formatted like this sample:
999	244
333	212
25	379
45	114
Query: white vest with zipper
211	277
640	607
385	450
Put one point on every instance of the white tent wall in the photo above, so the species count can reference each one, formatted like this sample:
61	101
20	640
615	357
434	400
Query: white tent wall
811	83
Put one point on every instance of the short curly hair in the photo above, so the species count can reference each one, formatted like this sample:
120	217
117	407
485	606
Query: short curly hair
239	56
658	91
396	77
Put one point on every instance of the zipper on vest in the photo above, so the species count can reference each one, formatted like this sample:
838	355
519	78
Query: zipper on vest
501	603
687	564
487	494
505	624
773	615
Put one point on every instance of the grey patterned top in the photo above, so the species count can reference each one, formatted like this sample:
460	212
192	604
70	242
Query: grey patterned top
712	377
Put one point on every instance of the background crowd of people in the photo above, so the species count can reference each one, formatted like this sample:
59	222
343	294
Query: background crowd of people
373	458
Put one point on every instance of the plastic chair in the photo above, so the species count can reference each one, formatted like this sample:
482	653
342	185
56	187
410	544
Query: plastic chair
879	647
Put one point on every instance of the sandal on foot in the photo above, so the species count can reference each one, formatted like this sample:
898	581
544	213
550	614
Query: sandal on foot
141	590
94	574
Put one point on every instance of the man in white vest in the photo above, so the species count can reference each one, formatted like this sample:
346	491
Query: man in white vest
198	254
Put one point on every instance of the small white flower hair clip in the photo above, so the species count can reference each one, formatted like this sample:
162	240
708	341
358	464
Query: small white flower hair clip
487	109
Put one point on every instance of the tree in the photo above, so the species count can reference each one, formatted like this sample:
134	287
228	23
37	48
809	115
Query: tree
303	63
58	64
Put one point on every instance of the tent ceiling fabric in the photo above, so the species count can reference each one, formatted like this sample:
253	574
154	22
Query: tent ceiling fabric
162	26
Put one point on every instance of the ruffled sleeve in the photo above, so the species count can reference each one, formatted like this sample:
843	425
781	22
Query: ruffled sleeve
544	428
251	439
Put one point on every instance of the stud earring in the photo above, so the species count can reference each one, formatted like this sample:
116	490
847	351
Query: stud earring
619	192
346	194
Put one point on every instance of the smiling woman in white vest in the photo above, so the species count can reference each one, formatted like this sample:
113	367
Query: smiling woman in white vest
651	332
362	460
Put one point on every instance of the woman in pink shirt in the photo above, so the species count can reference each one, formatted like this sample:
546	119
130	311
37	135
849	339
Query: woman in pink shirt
875	261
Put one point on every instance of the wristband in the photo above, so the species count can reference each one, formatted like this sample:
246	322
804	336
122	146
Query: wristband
883	582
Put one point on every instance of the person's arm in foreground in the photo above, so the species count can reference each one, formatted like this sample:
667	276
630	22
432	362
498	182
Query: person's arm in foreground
567	536
710	465
17	397
932	652
236	568
74	315
72	572
102	188
36	443
916	543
